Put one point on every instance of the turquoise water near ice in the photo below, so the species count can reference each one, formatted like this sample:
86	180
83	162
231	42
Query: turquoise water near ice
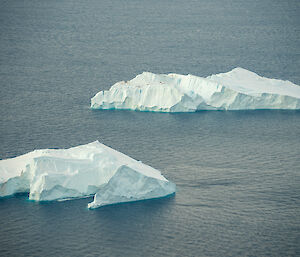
237	173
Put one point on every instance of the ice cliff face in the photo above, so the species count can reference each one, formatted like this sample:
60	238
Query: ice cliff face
238	89
79	172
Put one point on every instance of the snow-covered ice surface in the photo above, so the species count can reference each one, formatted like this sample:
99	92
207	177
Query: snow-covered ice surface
238	89
60	174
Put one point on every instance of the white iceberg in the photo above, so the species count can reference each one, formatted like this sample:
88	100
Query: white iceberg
238	89
60	174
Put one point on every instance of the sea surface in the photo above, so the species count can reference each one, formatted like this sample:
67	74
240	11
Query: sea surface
237	172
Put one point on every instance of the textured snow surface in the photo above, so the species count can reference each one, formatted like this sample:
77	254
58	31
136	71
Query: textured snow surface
60	174
238	89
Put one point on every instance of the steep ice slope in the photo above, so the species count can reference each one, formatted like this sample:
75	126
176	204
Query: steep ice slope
130	185
238	89
79	172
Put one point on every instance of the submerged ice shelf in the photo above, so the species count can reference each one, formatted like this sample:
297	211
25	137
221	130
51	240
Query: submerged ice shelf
91	169
238	89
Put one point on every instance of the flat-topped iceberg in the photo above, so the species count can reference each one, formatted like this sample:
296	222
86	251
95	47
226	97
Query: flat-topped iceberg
60	174
238	89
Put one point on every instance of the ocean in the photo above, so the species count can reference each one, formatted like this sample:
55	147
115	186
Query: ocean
237	172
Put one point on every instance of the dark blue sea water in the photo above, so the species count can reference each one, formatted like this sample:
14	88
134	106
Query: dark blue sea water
237	172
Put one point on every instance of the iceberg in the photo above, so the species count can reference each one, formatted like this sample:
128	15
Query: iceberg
238	89
82	171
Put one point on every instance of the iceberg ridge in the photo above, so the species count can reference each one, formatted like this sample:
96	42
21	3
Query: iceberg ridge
238	89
